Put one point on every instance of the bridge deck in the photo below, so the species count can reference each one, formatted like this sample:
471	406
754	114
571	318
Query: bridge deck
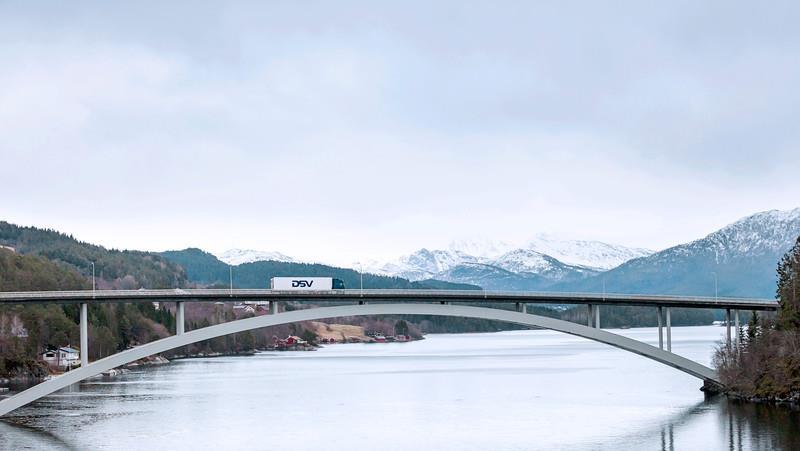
319	297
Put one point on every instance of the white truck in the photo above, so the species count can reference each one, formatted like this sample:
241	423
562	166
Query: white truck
306	283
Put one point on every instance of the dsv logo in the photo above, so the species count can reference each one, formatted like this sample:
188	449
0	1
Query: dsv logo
302	283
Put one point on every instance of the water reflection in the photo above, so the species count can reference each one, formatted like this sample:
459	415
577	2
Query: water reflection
515	390
667	440
742	425
761	426
17	435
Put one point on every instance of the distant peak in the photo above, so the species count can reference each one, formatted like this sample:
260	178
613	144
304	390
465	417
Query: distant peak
240	256
480	247
777	215
589	254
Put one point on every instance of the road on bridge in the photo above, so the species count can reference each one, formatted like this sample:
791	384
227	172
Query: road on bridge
461	296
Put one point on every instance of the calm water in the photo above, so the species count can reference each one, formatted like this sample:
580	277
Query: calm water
503	391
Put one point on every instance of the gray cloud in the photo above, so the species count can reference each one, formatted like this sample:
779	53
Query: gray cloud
355	129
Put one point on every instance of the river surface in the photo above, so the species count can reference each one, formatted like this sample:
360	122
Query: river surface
521	390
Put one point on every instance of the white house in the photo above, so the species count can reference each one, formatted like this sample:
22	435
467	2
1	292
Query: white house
62	358
245	307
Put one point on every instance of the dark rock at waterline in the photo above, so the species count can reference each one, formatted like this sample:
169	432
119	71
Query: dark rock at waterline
712	388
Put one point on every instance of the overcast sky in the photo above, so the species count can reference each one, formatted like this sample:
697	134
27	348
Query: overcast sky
338	131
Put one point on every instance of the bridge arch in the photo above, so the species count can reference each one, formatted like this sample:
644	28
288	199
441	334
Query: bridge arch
165	344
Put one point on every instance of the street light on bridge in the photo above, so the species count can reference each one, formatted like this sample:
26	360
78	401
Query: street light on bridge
716	286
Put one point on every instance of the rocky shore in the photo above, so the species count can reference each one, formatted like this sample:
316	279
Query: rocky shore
793	400
205	355
27	372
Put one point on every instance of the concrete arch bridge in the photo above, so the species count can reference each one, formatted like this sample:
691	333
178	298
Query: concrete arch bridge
372	302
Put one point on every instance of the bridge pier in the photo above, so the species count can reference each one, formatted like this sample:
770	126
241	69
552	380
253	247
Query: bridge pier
728	327
273	307
659	314
590	314
596	316
669	330
180	322
736	322
84	335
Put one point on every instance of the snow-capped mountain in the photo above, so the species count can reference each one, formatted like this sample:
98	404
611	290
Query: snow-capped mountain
425	263
589	254
239	256
528	261
738	260
478	261
422	264
741	258
482	248
766	233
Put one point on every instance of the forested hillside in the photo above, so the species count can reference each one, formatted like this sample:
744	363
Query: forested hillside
115	269
27	273
26	330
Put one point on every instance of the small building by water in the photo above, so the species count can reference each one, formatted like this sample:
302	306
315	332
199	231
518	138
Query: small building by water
63	358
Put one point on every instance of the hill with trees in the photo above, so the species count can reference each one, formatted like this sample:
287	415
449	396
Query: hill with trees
26	330
115	269
27	273
766	363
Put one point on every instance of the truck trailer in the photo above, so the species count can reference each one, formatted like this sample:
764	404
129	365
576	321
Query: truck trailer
306	283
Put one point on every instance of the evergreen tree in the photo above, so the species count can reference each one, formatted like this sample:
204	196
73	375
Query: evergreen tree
752	330
401	328
309	336
788	293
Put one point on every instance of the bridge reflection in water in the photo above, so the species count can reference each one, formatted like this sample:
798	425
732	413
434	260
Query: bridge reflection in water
716	422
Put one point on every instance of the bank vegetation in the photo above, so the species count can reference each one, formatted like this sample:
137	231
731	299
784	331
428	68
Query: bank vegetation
765	365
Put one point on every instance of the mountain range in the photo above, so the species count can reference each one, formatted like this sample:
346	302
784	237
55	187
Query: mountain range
737	260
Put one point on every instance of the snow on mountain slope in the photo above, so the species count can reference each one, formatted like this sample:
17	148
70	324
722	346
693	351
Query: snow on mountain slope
742	256
526	261
239	256
768	232
544	256
423	264
736	260
483	248
589	254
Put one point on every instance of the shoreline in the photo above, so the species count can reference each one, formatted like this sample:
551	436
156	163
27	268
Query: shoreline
792	402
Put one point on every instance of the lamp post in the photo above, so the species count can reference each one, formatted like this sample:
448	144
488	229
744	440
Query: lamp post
93	284
361	276
604	288
716	286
